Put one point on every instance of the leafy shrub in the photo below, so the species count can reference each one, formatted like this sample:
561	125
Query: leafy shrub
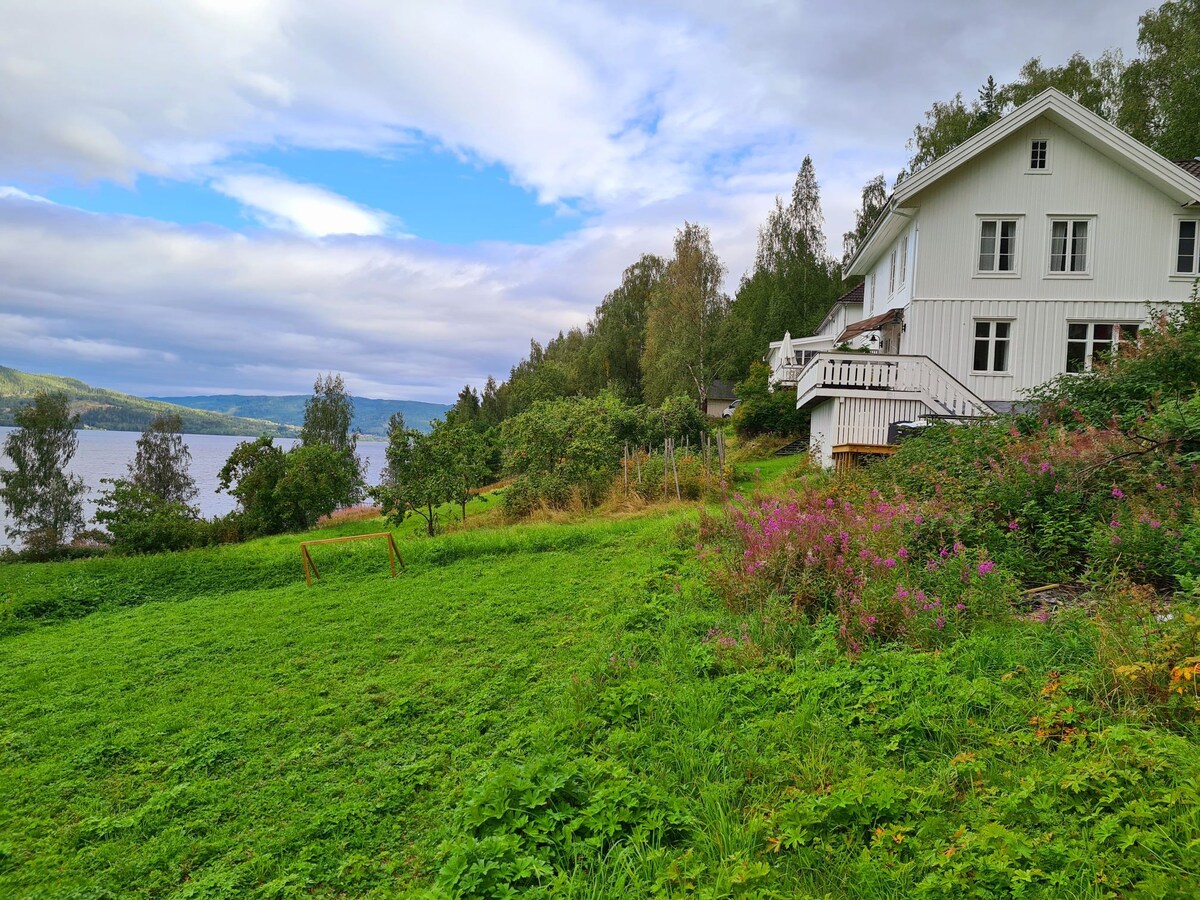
766	411
140	521
679	418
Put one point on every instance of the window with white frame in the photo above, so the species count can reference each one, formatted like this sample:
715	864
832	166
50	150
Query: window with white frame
993	338
903	260
873	279
997	247
1187	247
1086	339
1070	253
1037	155
892	275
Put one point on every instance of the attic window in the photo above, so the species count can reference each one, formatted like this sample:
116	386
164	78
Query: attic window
1037	156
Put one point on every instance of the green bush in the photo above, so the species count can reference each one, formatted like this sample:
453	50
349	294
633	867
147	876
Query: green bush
139	521
766	411
564	448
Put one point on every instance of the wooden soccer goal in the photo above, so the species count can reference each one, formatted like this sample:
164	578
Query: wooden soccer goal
310	567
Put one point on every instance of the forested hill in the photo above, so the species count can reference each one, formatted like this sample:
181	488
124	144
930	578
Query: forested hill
370	415
112	411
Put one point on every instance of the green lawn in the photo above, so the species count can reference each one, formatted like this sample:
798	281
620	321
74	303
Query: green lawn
543	710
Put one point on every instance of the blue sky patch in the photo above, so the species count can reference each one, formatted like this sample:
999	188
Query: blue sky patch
435	195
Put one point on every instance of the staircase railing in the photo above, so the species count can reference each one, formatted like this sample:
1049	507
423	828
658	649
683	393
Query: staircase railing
919	375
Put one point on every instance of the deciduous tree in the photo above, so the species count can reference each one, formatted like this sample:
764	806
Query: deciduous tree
44	501
161	463
687	308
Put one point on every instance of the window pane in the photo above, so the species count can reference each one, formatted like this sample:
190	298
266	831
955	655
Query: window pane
1008	236
1079	235
1102	332
987	246
1037	155
981	356
1002	329
983	329
1077	332
1128	333
1076	352
1186	262
1001	358
1058	246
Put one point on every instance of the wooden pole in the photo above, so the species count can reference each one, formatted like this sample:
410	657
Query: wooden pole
675	471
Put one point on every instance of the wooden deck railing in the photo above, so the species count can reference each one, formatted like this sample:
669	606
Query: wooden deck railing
919	377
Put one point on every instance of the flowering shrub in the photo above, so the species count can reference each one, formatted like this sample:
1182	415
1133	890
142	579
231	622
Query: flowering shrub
851	558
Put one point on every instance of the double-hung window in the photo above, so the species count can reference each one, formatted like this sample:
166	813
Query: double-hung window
892	275
1070	246
1187	248
992	341
1086	339
903	261
997	247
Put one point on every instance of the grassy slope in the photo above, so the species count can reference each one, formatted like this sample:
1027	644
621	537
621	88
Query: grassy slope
101	408
279	740
370	415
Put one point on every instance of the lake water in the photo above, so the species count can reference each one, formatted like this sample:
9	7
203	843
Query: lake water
107	454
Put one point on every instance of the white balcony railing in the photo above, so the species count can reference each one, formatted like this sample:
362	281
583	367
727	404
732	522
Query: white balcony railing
834	374
787	372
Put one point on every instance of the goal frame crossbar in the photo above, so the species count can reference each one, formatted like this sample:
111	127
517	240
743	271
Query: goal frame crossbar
310	567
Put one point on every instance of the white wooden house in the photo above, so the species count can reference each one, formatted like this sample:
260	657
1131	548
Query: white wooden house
1046	238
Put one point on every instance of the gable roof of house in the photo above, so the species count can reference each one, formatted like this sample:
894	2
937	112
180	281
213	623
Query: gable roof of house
1179	181
1191	166
872	324
856	295
720	389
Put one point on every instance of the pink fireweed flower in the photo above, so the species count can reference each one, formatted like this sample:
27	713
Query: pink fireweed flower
1118	493
889	563
902	553
960	606
918	519
1013	526
986	567
1045	467
940	622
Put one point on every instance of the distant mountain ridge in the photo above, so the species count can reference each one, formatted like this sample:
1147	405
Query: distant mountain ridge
370	415
106	410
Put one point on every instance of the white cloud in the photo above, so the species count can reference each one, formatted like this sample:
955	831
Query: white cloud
647	113
304	208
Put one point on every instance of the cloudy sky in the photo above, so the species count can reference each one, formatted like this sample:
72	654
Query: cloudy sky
214	196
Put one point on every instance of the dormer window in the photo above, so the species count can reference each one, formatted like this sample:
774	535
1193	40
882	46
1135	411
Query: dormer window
1037	155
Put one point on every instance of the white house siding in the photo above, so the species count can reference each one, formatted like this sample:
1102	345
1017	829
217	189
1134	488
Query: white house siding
821	425
882	271
865	420
843	314
857	420
944	330
1131	242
